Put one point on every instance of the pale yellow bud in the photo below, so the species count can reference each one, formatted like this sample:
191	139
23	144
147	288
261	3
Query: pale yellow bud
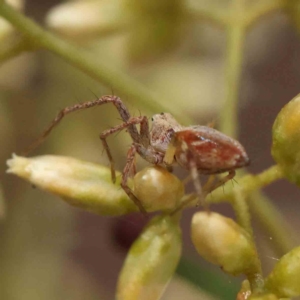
223	242
157	189
82	184
151	261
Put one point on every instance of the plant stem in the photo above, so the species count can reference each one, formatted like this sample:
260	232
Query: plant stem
229	125
241	209
100	68
233	66
249	183
240	206
270	218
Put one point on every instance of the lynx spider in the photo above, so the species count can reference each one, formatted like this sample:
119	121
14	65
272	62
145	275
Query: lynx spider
199	149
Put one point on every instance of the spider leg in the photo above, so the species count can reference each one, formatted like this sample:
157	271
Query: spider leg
133	169
221	181
125	175
145	132
131	122
206	190
197	183
123	111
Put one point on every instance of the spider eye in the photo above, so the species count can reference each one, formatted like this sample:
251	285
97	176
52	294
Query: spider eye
152	119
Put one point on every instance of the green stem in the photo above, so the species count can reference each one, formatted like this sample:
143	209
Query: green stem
255	278
229	125
249	183
100	68
264	210
241	209
236	31
233	66
240	206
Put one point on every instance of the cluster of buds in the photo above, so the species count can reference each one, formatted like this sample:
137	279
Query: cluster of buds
154	256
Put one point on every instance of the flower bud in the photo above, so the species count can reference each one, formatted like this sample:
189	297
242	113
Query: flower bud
223	242
157	188
284	280
151	260
82	184
286	141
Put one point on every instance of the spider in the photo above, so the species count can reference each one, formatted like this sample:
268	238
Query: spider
199	149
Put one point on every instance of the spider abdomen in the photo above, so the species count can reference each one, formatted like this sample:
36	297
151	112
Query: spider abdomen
211	151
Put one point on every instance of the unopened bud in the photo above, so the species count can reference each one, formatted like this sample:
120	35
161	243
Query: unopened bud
151	261
286	142
82	184
223	242
157	189
284	280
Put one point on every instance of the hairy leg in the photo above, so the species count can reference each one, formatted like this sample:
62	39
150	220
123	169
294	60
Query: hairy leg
197	183
220	182
145	133
207	188
125	175
123	111
131	122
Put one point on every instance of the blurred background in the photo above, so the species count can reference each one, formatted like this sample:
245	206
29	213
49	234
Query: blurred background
50	250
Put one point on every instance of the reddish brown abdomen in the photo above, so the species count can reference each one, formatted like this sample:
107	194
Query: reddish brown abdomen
212	151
